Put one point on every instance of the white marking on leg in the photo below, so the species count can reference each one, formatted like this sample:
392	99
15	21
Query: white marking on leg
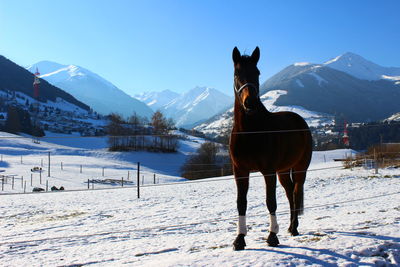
242	228
273	227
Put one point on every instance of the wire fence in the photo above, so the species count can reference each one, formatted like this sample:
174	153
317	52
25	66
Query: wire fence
177	134
135	174
183	225
123	175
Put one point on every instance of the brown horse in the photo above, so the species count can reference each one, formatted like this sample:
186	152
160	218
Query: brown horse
271	143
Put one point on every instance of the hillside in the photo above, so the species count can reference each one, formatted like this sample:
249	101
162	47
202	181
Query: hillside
196	106
351	217
348	86
222	123
157	100
16	78
100	94
323	89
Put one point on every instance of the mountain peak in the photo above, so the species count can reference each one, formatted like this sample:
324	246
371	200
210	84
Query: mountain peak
349	58
360	67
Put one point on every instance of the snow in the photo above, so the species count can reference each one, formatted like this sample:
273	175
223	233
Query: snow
395	79
361	68
224	122
319	79
301	64
313	119
90	88
351	218
157	100
299	83
195	105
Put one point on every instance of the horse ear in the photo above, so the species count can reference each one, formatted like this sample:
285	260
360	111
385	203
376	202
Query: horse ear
236	55
256	54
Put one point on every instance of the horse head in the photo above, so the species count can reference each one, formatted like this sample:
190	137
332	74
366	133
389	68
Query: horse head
246	80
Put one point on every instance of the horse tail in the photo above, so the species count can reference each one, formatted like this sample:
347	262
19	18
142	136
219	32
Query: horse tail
301	200
298	192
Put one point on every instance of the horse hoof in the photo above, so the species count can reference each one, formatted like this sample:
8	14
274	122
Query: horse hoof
293	232
239	243
272	240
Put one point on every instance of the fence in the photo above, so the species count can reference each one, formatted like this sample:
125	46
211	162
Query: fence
98	177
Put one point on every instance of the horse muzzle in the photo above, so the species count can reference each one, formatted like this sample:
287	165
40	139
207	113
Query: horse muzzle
250	105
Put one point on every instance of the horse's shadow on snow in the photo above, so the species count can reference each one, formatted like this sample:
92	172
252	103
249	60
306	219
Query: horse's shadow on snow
4	164
310	259
320	251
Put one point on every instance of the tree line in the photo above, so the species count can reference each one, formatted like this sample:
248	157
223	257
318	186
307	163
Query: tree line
369	134
138	133
19	121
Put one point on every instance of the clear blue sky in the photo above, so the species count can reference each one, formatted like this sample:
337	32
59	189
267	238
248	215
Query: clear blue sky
179	44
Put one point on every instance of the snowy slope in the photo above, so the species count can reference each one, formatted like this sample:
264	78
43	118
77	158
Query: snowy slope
156	100
361	68
357	89
223	122
351	218
92	89
196	105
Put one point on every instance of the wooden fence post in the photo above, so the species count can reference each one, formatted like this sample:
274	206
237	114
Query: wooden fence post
138	180
48	174
376	162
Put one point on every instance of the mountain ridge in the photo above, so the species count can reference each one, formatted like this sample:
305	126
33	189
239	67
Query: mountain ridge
86	85
16	78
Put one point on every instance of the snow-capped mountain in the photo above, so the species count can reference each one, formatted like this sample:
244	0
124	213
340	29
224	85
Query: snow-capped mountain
16	79
196	105
361	68
348	87
90	88
222	123
321	88
156	100
394	117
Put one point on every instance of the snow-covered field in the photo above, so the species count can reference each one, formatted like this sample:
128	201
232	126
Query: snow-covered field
352	217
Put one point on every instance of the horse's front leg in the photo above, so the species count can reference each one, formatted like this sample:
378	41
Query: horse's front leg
242	185
270	181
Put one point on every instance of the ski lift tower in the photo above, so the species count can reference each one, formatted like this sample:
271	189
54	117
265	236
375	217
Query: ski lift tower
36	83
346	140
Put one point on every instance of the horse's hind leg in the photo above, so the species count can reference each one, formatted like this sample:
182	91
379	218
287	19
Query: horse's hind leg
288	185
299	177
270	180
242	185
